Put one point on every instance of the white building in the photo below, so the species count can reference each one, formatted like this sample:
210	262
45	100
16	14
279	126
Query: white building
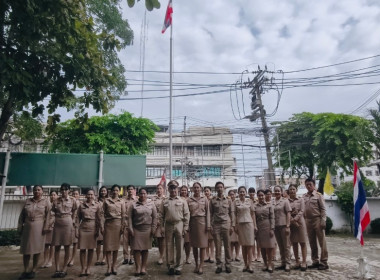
200	154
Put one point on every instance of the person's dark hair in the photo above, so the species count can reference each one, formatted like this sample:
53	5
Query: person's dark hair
115	186
173	182
131	186
53	191
267	191
197	183
38	186
160	185
261	191
310	180
101	190
278	186
75	190
91	190
207	188
231	191
251	190
242	187
65	186
142	189
293	185
217	183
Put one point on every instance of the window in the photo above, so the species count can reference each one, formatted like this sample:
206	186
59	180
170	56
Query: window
159	151
376	172
368	173
154	172
208	151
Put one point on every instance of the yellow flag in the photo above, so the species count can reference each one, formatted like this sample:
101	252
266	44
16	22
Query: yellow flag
328	187
121	191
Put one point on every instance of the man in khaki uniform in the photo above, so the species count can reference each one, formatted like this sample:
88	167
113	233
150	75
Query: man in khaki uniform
128	200
315	217
220	210
175	218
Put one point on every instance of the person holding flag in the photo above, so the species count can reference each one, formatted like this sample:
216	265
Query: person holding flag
315	217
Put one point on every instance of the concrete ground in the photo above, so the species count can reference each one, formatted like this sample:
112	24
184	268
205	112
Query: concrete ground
343	255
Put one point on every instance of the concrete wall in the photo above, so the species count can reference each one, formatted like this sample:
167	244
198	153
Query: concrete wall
340	219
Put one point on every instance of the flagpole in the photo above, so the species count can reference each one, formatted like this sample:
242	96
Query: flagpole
171	104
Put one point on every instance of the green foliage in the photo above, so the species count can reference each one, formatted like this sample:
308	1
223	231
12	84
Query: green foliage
149	4
329	225
55	53
345	194
326	140
121	134
375	118
9	237
375	226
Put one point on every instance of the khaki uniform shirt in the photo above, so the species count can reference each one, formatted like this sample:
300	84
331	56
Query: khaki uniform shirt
114	209
174	210
90	211
220	209
265	212
65	207
242	211
314	205
281	209
35	210
129	201
298	208
143	214
199	207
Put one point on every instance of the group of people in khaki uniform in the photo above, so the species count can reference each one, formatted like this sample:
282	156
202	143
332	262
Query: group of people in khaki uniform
135	220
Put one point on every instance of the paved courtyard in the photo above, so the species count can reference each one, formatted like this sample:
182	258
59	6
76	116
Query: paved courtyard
343	254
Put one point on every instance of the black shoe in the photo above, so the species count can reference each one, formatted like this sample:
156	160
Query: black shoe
107	274
314	265
114	272
62	274
211	261
177	272
303	268
218	270
125	261
323	267
24	275
131	261
171	271
282	267
31	275
57	274
228	270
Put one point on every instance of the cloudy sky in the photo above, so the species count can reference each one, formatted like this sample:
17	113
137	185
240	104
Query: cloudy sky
215	41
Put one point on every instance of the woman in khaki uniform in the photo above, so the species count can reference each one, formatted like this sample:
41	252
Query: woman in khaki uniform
244	224
265	224
89	224
75	194
114	214
49	250
199	225
184	194
210	250
256	252
64	208
142	225
157	199
282	211
33	224
234	240
103	194
297	227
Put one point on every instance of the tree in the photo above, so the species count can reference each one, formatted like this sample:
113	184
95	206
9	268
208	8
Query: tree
326	140
114	134
375	118
149	4
52	54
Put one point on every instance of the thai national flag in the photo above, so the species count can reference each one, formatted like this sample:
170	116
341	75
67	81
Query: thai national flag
361	211
168	16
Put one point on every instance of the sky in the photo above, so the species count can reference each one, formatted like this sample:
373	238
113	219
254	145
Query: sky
219	43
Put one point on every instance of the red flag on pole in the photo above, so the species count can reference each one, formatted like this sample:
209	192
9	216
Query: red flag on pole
168	17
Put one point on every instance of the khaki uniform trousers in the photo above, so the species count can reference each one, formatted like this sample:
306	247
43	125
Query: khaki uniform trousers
174	239
315	233
126	244
221	233
283	242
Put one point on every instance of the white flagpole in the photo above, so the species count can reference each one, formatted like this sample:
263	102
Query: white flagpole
171	103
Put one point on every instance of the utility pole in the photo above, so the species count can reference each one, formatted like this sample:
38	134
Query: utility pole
259	112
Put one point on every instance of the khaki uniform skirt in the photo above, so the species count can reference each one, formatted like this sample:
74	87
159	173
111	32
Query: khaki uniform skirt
87	239
142	239
111	237
246	234
63	231
234	237
298	234
198	232
32	239
263	238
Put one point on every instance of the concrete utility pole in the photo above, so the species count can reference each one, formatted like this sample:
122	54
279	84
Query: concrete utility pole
259	112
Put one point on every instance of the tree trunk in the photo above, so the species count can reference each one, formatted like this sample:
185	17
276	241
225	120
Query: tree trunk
6	114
